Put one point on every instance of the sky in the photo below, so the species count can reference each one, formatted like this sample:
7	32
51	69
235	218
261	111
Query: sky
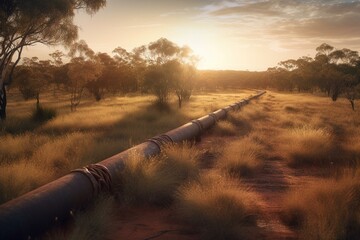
234	34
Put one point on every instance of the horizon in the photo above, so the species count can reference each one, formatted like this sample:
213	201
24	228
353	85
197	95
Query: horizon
226	35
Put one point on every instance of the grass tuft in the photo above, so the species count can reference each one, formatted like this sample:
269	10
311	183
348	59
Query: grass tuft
217	208
307	146
326	210
155	180
241	157
225	128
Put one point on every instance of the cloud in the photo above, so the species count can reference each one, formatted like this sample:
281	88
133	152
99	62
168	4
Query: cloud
290	20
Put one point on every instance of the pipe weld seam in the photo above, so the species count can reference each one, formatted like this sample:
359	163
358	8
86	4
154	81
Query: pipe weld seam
99	176
213	115
161	140
199	125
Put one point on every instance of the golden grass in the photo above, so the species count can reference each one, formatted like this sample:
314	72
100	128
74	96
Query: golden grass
96	131
155	180
218	208
241	157
307	146
225	128
21	177
326	210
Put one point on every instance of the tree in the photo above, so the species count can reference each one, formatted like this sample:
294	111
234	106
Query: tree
25	23
168	69
185	83
33	78
82	69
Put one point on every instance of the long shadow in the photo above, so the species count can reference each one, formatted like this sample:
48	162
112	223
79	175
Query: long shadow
137	127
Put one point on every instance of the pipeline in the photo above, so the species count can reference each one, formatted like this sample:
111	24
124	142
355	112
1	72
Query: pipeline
35	212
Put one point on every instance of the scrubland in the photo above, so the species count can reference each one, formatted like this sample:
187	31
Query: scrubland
215	187
33	153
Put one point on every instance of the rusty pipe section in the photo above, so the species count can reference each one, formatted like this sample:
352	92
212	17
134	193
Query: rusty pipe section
33	213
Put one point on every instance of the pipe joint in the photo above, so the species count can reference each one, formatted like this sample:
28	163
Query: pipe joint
161	140
199	125
99	177
213	115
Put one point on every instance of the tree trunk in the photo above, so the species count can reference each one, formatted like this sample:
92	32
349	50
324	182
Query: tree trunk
3	103
352	102
37	101
180	101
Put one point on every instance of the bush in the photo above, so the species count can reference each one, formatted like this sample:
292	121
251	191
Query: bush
41	114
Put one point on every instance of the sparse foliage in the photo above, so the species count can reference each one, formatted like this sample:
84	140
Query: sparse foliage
25	23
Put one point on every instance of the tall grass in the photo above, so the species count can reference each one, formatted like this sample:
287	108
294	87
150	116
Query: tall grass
241	157
307	146
218	208
155	180
326	210
96	131
225	128
95	223
21	177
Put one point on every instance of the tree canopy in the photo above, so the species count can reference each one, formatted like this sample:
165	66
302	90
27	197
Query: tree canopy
28	22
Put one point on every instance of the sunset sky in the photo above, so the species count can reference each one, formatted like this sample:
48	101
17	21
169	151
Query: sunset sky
234	34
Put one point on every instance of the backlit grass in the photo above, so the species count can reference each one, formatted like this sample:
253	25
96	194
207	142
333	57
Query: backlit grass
241	157
327	209
97	130
218	208
155	180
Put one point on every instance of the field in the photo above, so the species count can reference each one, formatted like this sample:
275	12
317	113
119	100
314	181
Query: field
286	166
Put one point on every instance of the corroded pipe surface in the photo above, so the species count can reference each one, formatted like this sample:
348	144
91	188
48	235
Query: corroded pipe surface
38	210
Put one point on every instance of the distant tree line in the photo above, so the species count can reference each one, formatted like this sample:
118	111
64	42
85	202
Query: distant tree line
332	71
159	68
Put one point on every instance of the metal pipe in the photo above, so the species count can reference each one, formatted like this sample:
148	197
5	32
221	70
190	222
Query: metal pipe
38	210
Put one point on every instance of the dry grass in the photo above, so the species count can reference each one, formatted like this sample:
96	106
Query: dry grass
326	210
218	208
155	180
241	157
307	146
93	224
96	131
21	177
225	128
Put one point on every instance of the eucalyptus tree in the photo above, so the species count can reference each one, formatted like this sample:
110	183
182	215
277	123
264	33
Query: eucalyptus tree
33	78
29	22
82	69
170	68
